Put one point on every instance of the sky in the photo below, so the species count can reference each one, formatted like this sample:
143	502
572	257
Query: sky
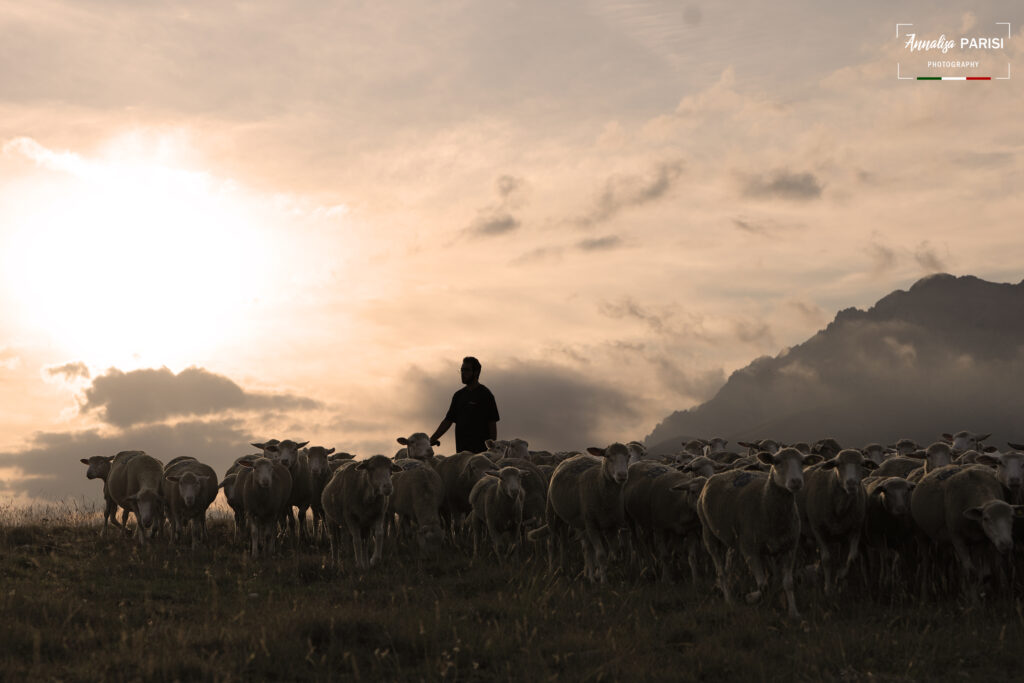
225	222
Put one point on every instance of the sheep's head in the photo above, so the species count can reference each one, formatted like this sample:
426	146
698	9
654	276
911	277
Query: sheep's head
615	463
149	508
996	519
1009	467
894	493
510	480
418	446
262	471
787	467
849	466
190	486
318	463
99	466
378	469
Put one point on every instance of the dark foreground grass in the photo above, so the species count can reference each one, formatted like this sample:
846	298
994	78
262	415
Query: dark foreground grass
77	607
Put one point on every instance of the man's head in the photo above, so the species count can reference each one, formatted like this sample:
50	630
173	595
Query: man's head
470	370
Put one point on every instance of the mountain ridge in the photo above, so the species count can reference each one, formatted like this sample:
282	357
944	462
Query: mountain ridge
943	355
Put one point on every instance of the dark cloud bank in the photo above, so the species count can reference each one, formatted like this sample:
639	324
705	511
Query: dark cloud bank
946	355
200	409
552	407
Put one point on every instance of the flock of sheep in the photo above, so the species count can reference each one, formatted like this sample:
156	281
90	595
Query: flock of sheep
893	511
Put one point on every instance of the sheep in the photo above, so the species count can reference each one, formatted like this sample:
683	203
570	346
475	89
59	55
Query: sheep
1009	470
964	440
702	467
833	501
99	468
755	447
357	497
964	507
826	448
585	494
134	484
905	447
535	490
875	452
939	454
416	499
287	453
755	514
889	529
319	474
497	502
189	487
417	446
266	486
233	491
661	508
460	472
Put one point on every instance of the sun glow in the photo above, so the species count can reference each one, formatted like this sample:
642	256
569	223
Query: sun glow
129	260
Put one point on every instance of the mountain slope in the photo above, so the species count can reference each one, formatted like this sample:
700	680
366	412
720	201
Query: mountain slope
945	355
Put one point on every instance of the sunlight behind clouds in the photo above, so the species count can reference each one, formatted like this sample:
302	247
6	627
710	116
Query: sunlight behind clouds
126	258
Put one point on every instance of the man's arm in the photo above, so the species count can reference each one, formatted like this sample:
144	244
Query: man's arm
439	432
492	429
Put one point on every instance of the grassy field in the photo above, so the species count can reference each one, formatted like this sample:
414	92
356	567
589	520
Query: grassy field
77	607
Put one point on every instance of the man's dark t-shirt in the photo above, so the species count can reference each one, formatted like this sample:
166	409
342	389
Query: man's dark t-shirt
471	411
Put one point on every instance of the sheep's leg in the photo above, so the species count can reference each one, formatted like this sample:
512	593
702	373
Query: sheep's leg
755	564
254	537
854	546
692	548
599	548
378	542
967	565
826	560
787	561
662	555
717	550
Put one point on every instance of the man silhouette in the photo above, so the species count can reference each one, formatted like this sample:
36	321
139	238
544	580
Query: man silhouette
473	412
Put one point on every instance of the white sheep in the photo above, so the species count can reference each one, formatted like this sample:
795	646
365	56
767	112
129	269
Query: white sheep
356	497
266	486
497	502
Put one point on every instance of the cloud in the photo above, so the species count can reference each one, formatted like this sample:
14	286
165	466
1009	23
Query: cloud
497	219
625	191
69	371
141	396
539	255
50	466
599	243
747	226
782	184
882	257
495	224
928	258
628	308
551	406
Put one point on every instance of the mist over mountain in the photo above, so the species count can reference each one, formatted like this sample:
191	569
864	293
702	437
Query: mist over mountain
945	355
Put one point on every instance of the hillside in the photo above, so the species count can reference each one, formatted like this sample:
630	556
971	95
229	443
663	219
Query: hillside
945	355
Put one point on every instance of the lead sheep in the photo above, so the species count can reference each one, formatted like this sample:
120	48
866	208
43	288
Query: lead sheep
189	487
135	485
266	486
585	495
833	502
755	514
356	497
319	474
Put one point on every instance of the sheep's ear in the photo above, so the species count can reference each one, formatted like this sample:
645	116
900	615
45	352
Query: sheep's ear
811	459
594	450
1015	446
396	468
986	459
947	437
85	461
766	457
173	478
989	449
869	464
361	466
402	440
258	445
301	445
328	452
977	514
490	443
